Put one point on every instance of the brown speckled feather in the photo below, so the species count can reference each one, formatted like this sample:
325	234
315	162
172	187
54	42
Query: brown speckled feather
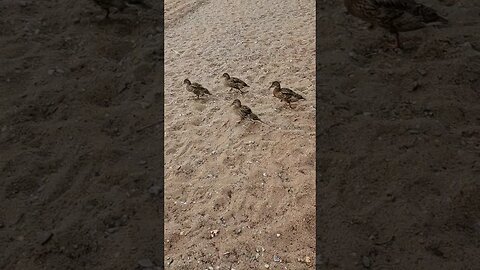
233	82
394	15
244	111
285	94
196	88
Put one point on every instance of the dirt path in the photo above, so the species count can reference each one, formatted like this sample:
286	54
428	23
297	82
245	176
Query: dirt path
400	153
253	183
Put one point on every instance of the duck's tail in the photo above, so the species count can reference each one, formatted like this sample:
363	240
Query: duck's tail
256	118
428	14
259	120
264	122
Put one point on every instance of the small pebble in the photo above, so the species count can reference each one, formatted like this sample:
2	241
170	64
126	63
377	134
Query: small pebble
155	190
112	230
366	261
145	105
145	263
213	233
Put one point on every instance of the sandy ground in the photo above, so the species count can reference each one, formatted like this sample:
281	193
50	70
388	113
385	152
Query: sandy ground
76	176
400	143
251	184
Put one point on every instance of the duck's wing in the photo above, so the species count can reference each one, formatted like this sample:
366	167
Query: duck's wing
386	11
427	14
288	93
406	15
238	81
245	110
254	117
196	85
205	91
195	88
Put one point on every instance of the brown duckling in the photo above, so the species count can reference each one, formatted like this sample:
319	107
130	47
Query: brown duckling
285	94
196	88
120	5
394	15
244	112
233	82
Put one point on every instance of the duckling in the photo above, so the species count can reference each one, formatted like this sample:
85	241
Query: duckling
233	82
196	88
244	112
285	94
120	5
394	15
